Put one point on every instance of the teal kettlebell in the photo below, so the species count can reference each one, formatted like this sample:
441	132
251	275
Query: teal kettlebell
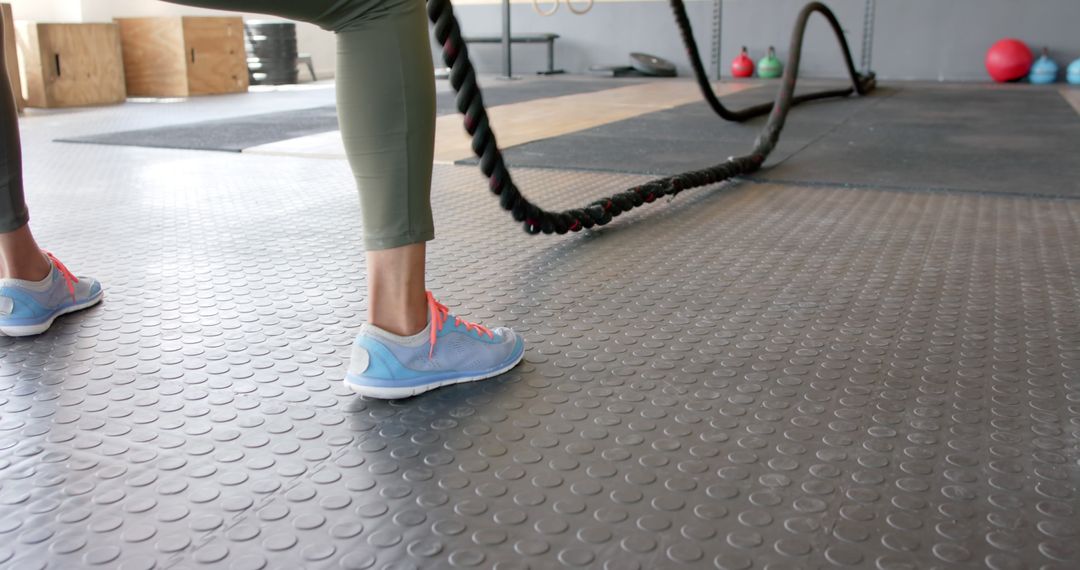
1044	70
1072	75
770	67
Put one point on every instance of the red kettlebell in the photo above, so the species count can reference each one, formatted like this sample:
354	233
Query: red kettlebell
1008	60
742	66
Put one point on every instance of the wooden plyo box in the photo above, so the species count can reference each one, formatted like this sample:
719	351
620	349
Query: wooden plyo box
9	63
183	56
70	65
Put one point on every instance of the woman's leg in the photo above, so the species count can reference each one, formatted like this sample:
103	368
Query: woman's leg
386	101
386	106
35	288
20	257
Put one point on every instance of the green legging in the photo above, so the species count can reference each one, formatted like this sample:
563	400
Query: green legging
385	101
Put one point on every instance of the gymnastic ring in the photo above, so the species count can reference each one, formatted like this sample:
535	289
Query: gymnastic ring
538	10
570	5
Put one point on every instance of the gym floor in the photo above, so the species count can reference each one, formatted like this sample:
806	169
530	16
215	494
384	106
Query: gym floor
867	356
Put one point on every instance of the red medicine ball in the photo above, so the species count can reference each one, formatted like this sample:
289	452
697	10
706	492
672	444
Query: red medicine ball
1008	60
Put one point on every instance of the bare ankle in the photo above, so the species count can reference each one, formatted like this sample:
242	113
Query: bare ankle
28	266
20	256
400	311
400	326
29	270
397	302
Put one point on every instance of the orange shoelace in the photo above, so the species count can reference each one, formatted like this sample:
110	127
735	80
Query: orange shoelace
68	276
439	315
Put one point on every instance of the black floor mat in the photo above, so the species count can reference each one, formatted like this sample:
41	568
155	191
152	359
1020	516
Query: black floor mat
238	133
1017	141
230	135
967	138
683	138
506	92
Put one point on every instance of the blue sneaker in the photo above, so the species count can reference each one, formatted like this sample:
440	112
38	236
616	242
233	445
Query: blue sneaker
30	307
449	351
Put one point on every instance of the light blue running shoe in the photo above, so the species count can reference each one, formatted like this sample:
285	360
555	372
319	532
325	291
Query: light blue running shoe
30	307
449	351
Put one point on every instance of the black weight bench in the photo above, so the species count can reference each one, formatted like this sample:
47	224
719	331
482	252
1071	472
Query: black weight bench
549	39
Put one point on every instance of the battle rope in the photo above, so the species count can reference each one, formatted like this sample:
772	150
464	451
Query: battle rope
600	212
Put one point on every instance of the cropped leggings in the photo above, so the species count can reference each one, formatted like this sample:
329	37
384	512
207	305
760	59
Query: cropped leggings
385	103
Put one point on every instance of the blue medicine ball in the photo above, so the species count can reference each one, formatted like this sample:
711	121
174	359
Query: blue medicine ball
1073	74
1044	70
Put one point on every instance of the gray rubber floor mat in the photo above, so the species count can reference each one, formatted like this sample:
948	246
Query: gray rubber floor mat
761	376
750	376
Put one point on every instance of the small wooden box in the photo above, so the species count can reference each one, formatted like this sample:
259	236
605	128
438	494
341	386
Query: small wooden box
9	63
183	56
70	65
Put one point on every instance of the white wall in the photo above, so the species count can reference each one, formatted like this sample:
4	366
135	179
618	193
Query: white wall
310	39
46	10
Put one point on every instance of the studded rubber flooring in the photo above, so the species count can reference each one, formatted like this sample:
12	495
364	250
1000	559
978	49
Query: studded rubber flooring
758	376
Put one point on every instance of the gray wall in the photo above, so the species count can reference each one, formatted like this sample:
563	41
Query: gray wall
604	36
913	39
948	39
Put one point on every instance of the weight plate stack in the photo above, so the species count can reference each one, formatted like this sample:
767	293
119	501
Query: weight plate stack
615	71
271	52
652	65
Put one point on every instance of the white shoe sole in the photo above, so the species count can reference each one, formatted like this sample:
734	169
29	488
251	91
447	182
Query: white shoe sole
394	393
31	330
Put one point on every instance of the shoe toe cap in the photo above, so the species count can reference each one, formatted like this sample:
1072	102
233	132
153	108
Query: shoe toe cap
506	335
88	288
511	341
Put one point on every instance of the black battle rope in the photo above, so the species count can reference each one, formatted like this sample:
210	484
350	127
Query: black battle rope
600	212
